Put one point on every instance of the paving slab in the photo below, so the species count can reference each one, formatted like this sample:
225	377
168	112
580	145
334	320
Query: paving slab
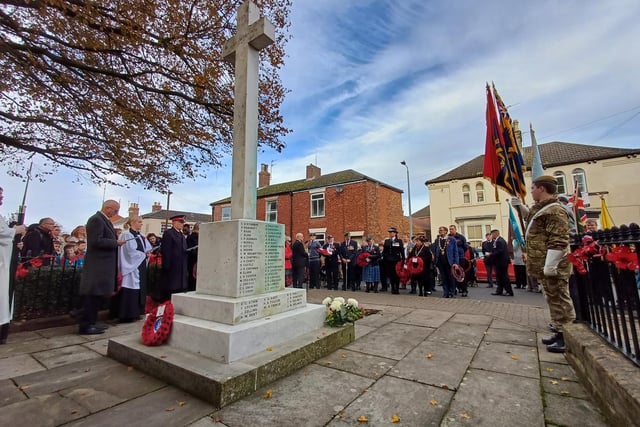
39	344
472	319
168	406
385	316
9	393
358	363
505	324
42	411
16	366
308	398
60	330
442	365
494	399
572	412
362	330
16	337
64	356
564	388
427	318
557	370
510	336
508	359
413	403
392	341
459	334
100	346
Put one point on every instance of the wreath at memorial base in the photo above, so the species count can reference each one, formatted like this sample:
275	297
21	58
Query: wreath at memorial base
157	325
362	259
415	265
403	272
458	273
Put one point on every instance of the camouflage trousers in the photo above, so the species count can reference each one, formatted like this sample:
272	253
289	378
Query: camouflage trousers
556	292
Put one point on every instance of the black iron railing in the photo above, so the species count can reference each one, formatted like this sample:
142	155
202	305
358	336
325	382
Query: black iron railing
607	285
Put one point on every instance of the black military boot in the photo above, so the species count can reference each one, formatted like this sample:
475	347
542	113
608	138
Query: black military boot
558	346
550	340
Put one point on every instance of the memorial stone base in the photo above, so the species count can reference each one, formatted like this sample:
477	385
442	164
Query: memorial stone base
242	328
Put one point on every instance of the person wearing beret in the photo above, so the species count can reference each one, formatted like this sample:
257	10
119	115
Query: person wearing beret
547	240
348	257
174	260
332	262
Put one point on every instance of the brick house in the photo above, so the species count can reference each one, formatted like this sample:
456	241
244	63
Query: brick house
326	204
156	220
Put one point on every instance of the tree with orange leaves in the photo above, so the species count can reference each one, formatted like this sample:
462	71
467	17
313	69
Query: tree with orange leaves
136	89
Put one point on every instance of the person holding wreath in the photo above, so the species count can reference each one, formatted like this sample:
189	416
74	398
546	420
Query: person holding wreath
445	253
371	270
419	264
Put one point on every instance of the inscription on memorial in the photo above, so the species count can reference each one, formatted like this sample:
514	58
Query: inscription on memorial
260	258
269	304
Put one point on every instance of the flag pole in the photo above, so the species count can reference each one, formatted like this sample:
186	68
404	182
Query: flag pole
22	209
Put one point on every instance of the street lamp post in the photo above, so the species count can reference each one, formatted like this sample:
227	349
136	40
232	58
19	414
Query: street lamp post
409	197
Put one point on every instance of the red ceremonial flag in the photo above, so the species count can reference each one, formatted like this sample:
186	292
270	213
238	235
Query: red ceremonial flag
495	159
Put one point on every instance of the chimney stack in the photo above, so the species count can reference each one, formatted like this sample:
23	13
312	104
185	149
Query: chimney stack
134	210
157	207
313	171
264	177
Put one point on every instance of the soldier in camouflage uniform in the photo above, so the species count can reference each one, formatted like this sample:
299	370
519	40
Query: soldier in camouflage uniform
547	241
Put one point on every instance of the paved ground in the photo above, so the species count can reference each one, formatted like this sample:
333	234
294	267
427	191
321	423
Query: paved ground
428	361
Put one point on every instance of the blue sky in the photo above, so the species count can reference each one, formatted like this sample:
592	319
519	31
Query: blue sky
375	82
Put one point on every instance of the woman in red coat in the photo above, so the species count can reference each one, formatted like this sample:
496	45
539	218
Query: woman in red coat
288	254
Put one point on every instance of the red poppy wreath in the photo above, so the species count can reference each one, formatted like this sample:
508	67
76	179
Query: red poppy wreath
415	265
362	259
157	325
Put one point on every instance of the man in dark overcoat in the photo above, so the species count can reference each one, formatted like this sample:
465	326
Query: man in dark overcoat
499	257
299	261
99	274
174	260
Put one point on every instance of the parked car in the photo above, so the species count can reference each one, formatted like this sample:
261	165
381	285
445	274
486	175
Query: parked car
481	269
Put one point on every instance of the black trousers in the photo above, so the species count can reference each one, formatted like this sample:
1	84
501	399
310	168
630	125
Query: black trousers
90	306
502	277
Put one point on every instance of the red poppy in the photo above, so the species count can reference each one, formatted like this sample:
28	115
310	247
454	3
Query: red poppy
21	271
36	262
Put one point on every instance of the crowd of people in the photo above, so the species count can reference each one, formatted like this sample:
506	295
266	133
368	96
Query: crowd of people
113	263
411	263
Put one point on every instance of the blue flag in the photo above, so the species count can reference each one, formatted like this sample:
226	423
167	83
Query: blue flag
514	225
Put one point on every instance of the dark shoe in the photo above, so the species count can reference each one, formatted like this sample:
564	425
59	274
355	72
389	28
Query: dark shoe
91	330
558	346
511	294
550	340
496	293
101	326
427	293
489	286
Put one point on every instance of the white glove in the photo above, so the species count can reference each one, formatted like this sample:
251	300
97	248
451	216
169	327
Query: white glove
515	201
554	256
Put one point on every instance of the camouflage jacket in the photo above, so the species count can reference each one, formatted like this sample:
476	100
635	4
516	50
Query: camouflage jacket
547	230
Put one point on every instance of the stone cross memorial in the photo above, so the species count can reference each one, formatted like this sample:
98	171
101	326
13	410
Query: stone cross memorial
241	305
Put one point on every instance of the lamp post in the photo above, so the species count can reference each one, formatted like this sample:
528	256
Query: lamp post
409	197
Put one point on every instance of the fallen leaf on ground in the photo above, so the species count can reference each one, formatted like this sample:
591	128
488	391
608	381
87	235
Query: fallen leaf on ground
344	356
328	362
163	357
465	416
129	368
515	357
429	356
269	348
565	393
564	378
268	394
433	402
549	369
169	409
554	382
75	411
395	418
216	419
24	387
181	403
363	419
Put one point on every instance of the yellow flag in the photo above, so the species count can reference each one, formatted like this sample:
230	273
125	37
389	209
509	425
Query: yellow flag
605	218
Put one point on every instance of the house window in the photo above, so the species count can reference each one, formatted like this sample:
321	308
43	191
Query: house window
271	212
226	213
580	180
466	194
163	228
480	192
562	185
317	205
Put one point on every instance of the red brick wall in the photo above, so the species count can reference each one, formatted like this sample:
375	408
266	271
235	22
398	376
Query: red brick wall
366	206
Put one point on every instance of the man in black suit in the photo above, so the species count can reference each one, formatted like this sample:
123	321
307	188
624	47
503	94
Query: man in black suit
487	247
392	253
348	255
39	241
174	260
500	259
100	269
299	261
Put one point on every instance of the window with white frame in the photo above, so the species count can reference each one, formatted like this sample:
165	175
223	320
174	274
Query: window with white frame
317	205
271	211
480	192
466	194
226	213
579	180
562	183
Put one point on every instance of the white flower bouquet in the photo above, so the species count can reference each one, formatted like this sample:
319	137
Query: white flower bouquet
340	311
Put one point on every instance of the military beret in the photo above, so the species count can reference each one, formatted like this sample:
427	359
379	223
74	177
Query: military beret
546	178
